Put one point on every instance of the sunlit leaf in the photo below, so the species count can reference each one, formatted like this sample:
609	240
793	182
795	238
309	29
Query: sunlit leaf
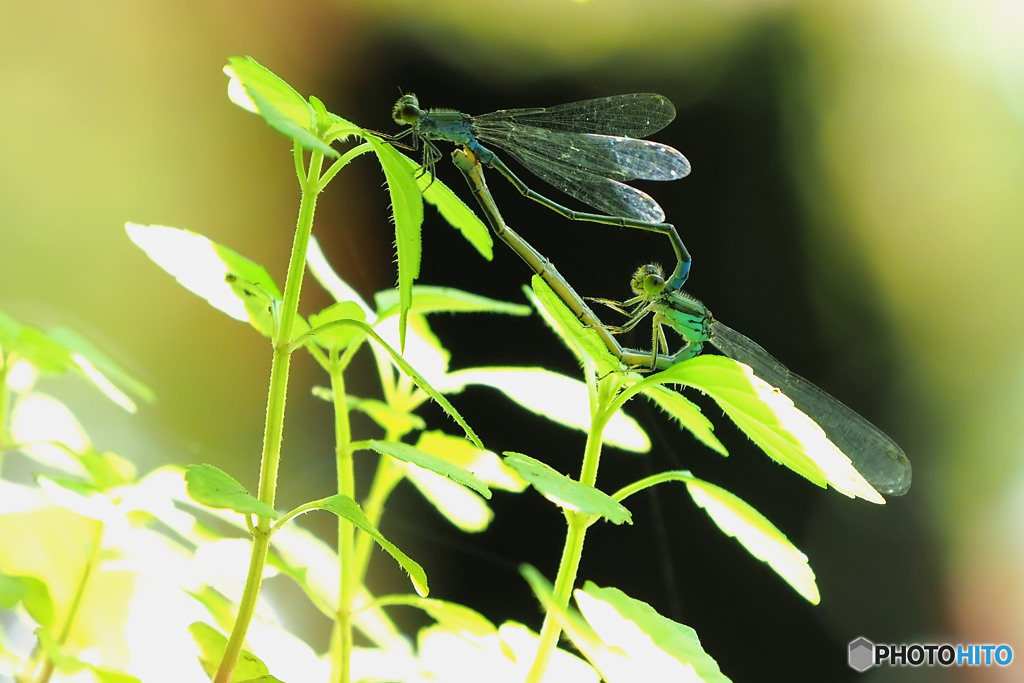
759	536
635	643
423	350
687	414
428	299
314	565
419	378
554	396
34	345
407	208
427	461
202	266
212	644
345	507
215	488
458	618
110	676
446	654
263	309
82	498
459	505
486	465
565	492
55	654
337	337
102	370
582	341
256	89
48	432
771	420
340	290
250	74
392	420
453	210
31	592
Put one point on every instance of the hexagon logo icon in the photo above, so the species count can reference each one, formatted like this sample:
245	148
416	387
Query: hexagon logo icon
862	654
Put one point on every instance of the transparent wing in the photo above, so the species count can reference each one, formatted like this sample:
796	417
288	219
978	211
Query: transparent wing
604	194
877	457
616	157
634	115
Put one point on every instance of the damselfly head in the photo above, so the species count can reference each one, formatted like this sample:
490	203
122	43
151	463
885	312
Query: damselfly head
406	110
648	281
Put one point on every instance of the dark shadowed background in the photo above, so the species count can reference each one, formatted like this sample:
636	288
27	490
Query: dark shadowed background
854	207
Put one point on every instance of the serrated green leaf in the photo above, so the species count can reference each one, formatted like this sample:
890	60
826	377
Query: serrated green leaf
487	465
687	414
771	420
420	380
247	72
554	396
407	207
565	492
337	337
759	536
202	266
635	643
345	507
423	350
427	300
256	89
289	128
314	565
459	505
453	210
215	488
432	463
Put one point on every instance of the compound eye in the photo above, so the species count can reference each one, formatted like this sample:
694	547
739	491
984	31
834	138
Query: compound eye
407	110
654	284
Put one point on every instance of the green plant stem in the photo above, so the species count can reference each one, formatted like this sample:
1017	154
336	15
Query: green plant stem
274	427
568	567
91	563
578	523
388	473
342	649
387	476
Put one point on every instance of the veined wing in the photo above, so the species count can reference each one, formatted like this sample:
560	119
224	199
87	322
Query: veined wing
635	115
876	456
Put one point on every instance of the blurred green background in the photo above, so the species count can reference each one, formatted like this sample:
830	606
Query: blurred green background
855	207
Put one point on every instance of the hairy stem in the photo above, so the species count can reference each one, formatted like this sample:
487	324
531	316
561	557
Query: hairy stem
274	428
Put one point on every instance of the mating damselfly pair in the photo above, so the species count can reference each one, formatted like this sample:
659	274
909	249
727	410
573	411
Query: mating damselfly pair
590	150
